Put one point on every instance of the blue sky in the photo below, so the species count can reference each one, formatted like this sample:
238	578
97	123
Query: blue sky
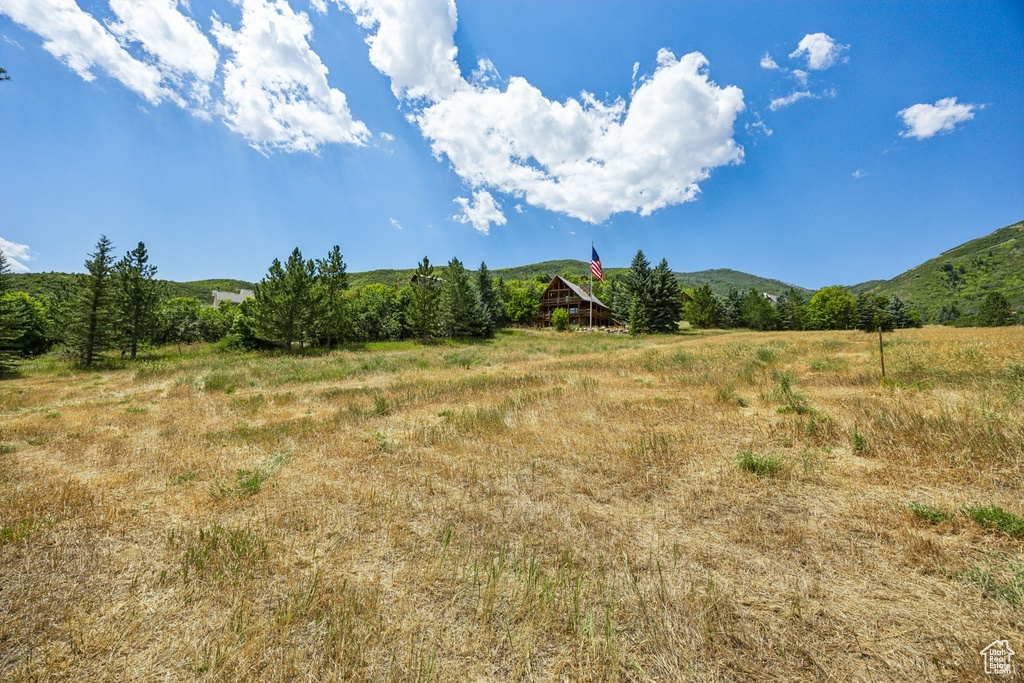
817	143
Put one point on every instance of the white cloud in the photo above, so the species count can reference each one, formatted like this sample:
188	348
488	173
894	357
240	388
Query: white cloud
174	40
396	224
413	44
800	75
780	102
582	157
820	49
82	43
481	212
387	136
768	63
859	174
925	120
16	254
275	87
318	6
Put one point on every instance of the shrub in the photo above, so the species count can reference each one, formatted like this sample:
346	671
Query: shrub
560	319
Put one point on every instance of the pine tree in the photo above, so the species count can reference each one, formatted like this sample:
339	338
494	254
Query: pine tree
422	313
704	310
898	313
639	288
667	306
332	280
791	310
733	307
284	299
995	311
137	296
92	311
488	297
758	312
462	313
9	327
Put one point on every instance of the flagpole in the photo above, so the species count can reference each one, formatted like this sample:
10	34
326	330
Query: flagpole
591	285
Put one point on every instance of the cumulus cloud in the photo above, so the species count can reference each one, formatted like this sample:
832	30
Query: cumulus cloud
859	174
482	211
768	63
175	41
16	255
582	157
275	86
925	120
413	43
820	49
780	102
81	42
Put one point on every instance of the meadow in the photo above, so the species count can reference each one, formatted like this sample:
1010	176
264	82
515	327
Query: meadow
542	506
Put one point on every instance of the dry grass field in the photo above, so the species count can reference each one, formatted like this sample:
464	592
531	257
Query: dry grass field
555	507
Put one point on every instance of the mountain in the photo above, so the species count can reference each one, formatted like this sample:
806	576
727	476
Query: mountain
963	276
721	280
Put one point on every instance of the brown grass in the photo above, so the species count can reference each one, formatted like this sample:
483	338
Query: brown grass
542	507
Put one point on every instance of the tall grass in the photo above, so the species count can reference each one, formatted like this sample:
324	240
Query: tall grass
540	507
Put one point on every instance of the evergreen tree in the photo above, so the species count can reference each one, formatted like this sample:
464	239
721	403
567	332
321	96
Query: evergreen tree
995	311
667	305
488	297
897	313
462	312
137	295
704	310
791	309
638	288
733	306
332	280
92	311
758	312
422	313
501	293
284	301
10	329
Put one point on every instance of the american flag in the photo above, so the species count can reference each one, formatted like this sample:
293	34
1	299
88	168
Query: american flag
595	264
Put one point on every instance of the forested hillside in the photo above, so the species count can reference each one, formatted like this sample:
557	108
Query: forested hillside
961	278
42	285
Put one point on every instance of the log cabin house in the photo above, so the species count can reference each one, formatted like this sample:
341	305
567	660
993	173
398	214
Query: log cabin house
564	294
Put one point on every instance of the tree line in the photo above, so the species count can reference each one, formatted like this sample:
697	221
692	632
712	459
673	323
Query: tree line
120	305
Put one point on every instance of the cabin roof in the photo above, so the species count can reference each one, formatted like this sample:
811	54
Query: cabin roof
582	294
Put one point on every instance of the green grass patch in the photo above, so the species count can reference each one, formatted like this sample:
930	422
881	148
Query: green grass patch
250	482
185	477
928	513
6	448
761	465
833	364
996	518
1000	577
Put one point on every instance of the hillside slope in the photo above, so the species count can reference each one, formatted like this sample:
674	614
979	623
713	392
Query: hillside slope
965	274
720	279
50	284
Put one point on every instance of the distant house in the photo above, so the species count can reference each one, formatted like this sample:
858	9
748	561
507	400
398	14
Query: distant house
231	297
576	301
